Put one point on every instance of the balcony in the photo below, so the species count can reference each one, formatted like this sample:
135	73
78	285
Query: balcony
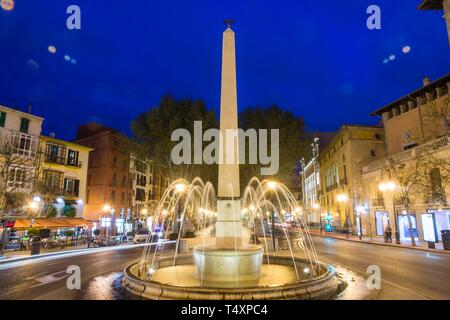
378	202
332	187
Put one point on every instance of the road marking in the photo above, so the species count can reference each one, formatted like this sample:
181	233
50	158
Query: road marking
50	278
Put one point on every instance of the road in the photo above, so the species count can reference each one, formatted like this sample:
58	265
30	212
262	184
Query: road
405	273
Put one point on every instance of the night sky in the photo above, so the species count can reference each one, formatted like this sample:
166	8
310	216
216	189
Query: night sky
314	58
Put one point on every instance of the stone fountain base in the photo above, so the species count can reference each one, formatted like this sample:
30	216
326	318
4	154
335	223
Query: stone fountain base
321	286
225	268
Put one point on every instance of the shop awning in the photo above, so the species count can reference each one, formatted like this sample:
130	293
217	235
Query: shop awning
52	223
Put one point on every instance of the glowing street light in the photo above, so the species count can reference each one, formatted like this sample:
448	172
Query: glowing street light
180	187
316	206
342	197
272	185
387	186
34	205
106	208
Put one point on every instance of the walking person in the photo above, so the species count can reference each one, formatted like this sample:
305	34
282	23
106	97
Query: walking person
388	234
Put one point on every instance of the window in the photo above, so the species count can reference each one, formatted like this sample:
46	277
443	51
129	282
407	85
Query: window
55	153
24	144
88	193
437	191
122	198
52	182
140	166
372	153
72	158
114	162
141	180
71	187
19	178
140	194
124	181
113	196
2	118
24	124
114	178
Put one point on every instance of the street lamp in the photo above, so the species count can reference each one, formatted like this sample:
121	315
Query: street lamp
391	186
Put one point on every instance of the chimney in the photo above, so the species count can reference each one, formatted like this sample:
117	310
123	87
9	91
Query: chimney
30	106
426	81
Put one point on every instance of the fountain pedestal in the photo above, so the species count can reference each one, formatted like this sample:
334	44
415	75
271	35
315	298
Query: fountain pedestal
228	268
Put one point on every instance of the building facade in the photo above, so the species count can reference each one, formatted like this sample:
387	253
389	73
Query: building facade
341	163
19	146
122	190
63	176
415	124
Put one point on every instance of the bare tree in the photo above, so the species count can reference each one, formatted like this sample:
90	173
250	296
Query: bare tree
425	177
20	169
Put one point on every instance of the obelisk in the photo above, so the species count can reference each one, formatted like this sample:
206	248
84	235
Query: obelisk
228	226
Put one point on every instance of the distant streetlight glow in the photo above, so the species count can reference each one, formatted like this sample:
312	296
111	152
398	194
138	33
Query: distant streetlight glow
180	187
272	185
387	186
342	197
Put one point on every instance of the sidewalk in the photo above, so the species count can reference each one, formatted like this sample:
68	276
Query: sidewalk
420	245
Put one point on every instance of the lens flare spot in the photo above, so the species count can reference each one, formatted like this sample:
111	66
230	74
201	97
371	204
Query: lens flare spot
67	57
52	49
7	5
392	57
406	49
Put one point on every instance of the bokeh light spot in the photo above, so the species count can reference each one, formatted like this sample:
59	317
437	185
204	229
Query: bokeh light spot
392	57
67	57
406	49
7	5
52	49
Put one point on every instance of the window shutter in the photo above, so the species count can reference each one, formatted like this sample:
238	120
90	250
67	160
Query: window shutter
76	187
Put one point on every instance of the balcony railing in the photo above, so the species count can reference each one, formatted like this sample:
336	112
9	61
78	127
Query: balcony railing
378	202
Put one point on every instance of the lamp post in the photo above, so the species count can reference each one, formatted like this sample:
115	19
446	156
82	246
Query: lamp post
391	186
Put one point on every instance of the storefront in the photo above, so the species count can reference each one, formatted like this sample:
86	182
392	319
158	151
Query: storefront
381	221
433	222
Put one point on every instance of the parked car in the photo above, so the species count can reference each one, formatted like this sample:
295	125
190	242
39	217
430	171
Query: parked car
141	236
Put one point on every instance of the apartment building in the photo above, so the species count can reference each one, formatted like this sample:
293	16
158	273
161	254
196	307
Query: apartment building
64	175
415	124
19	145
341	162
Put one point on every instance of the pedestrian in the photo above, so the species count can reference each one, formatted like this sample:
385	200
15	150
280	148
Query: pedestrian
388	234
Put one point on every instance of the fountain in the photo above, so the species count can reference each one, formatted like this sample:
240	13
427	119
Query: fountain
232	264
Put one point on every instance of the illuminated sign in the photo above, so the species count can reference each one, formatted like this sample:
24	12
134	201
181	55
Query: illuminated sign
429	227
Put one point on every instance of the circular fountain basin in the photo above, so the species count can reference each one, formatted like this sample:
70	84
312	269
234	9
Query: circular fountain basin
277	280
224	268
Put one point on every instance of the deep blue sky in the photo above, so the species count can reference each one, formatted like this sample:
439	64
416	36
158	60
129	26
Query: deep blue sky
315	58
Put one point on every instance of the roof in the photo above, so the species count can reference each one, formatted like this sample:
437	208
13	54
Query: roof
431	5
25	114
59	141
419	92
340	132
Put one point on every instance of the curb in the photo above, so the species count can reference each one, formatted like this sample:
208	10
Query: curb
438	251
